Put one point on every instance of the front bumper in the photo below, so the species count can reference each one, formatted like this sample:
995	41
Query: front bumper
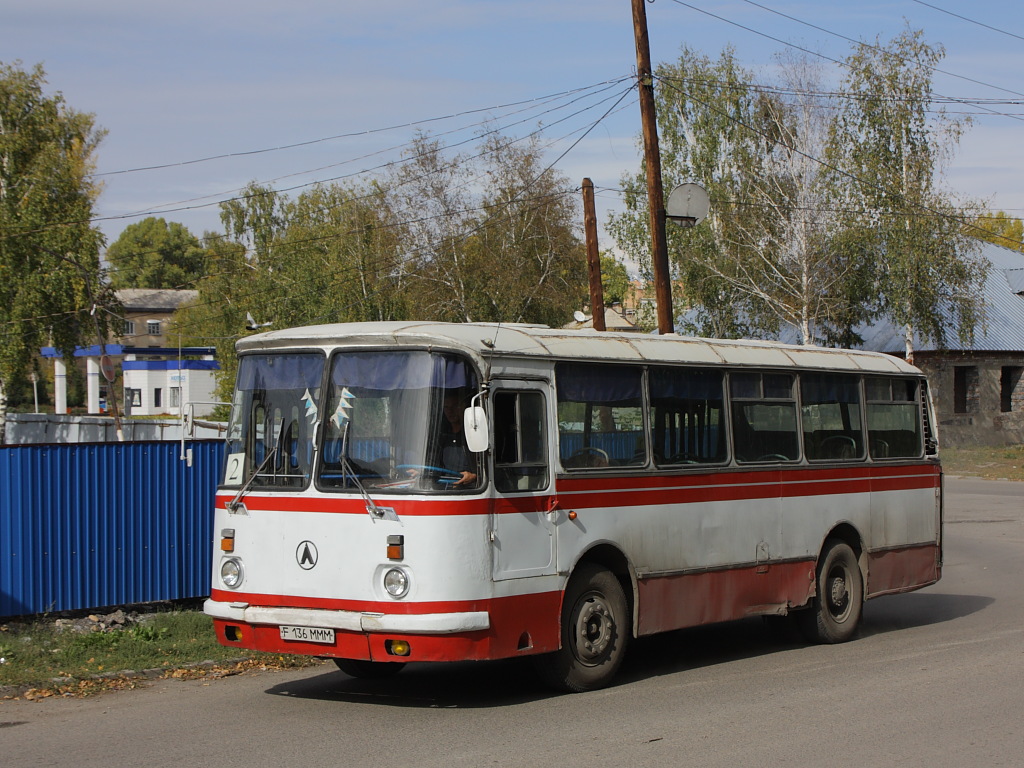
351	621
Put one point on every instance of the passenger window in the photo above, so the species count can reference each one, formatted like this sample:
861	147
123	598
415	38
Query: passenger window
764	417
687	415
600	416
894	418
831	414
520	445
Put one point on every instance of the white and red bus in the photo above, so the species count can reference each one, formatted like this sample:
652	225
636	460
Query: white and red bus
598	487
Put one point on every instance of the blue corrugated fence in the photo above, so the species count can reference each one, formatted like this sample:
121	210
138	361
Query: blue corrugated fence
87	526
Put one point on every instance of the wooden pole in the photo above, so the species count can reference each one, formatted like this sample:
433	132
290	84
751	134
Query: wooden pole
652	161
593	256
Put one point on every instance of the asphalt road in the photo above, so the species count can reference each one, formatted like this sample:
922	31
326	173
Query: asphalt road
935	678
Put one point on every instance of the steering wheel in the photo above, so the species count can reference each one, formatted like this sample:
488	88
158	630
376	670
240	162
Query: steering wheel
838	447
441	474
589	456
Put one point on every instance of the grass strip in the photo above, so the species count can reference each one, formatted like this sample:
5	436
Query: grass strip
44	656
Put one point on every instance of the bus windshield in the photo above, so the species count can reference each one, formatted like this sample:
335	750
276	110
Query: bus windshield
270	433
393	421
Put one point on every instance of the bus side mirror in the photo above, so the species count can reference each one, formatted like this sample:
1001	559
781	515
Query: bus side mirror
474	424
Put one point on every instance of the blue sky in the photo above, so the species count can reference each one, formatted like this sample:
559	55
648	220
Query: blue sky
178	82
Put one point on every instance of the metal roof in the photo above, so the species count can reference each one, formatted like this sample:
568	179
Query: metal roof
485	340
154	299
1003	327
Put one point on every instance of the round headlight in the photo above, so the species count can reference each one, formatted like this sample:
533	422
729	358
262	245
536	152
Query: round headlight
231	572
396	582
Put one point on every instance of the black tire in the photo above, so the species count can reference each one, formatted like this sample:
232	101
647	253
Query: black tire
369	670
835	611
595	631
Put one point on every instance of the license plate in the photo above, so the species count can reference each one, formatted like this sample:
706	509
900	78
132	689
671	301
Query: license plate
308	634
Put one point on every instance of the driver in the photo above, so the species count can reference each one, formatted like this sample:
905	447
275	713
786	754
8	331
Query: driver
455	456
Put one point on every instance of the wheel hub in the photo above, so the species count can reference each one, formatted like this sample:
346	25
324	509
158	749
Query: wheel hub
839	595
594	626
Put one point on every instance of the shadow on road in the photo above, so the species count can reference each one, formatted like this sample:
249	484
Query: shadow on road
918	609
463	685
467	685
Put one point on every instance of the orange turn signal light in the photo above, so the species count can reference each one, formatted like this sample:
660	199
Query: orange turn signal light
396	547
227	540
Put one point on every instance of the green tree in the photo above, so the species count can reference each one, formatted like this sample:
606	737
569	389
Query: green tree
765	257
49	252
153	253
1000	229
887	151
340	260
615	283
217	317
509	253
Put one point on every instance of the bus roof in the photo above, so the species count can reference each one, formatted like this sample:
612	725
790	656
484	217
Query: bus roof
494	340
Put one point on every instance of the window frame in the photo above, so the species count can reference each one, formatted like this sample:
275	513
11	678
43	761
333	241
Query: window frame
593	457
521	464
859	442
915	401
652	404
737	401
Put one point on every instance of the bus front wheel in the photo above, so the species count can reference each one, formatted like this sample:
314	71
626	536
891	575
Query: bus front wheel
369	670
594	633
835	611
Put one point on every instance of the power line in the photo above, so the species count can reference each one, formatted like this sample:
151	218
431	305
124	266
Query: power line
181	206
971	21
836	34
810	157
842	95
867	45
353	134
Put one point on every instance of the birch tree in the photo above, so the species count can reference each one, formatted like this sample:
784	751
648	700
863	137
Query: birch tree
888	149
763	259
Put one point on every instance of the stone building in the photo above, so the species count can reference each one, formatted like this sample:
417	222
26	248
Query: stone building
977	390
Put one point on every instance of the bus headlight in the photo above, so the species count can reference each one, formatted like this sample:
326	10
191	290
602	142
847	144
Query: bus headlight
231	572
396	582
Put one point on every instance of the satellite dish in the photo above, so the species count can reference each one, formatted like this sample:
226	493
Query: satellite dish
688	204
579	317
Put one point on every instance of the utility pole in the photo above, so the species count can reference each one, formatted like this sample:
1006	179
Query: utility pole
593	256
652	161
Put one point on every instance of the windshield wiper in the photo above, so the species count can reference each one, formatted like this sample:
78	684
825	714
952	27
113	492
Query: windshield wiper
234	505
372	508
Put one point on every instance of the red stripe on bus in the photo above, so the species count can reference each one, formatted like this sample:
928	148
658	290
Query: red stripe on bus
730	477
631	490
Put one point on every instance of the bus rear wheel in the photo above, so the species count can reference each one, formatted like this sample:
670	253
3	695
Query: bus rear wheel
594	633
835	611
369	670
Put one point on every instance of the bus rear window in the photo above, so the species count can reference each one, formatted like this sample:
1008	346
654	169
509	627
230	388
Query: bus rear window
894	418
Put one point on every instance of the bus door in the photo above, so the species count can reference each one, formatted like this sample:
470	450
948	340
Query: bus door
523	535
